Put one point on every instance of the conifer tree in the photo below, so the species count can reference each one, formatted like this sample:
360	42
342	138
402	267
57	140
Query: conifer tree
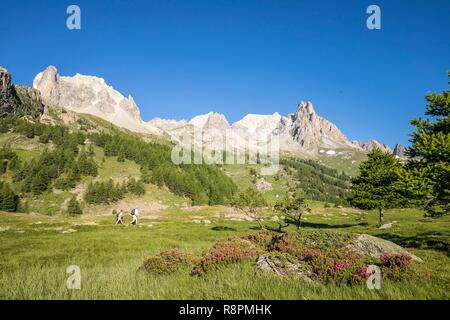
430	152
135	187
374	187
73	208
8	199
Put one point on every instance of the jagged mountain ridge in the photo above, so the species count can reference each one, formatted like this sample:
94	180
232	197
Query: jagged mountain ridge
91	95
18	100
303	131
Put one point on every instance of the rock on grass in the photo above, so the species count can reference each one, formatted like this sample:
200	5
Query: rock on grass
367	245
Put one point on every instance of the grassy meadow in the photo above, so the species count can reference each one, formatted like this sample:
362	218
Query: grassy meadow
37	249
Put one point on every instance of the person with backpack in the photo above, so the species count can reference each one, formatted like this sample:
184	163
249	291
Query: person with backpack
135	215
119	217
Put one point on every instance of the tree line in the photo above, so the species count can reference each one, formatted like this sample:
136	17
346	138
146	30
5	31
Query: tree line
108	192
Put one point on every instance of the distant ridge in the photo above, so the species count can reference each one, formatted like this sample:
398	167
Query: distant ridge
303	131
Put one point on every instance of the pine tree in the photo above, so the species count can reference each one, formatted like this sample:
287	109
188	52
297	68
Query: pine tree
39	181
135	187
374	188
431	151
73	208
86	166
8	199
414	186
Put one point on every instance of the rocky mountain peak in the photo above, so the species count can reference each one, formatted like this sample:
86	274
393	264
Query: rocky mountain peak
5	80
216	121
8	95
399	151
307	131
18	100
49	74
211	120
374	144
305	109
92	95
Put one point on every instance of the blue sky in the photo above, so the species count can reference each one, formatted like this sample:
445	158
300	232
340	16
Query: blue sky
180	58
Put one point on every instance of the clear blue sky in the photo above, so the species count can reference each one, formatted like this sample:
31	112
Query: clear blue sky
180	58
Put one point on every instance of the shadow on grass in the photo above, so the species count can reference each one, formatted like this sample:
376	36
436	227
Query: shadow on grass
319	225
426	240
222	228
304	224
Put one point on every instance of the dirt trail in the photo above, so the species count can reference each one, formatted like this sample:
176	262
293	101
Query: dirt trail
147	209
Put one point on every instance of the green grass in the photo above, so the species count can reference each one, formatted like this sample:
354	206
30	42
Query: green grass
35	255
110	168
344	161
243	179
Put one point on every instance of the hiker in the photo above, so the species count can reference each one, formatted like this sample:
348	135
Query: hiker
135	215
119	217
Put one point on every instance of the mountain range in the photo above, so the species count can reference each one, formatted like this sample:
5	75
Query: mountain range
301	132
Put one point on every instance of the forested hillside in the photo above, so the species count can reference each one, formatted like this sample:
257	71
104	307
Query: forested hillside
318	182
66	155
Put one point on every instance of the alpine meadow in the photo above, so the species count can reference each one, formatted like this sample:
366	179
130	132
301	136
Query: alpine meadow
279	204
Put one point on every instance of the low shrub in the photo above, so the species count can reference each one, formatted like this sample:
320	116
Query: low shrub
167	261
323	239
263	238
288	245
225	252
394	266
340	267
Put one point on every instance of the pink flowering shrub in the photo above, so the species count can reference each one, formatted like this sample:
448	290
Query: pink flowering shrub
167	261
321	262
262	238
302	253
340	266
397	260
225	252
394	265
334	265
